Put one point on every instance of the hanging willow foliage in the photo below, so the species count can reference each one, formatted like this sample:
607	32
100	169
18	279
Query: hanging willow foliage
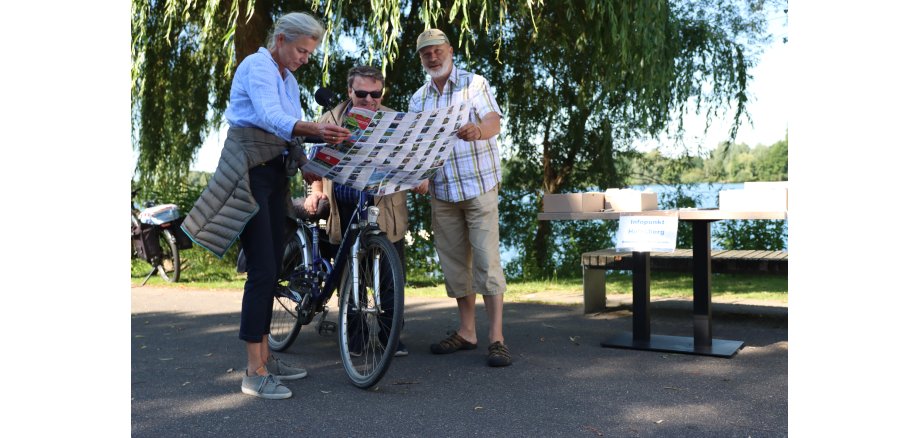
576	79
184	53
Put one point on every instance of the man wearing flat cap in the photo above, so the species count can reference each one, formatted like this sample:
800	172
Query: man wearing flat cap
464	197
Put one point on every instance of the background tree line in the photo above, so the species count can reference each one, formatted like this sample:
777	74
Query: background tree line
577	80
727	163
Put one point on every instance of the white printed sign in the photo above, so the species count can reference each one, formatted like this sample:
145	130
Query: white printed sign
647	233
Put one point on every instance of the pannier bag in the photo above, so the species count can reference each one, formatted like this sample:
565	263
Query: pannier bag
182	239
146	241
159	214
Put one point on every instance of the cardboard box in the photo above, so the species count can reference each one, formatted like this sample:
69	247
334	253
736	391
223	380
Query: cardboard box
754	199
573	202
630	200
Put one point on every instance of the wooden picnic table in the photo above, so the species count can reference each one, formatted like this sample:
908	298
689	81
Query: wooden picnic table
702	342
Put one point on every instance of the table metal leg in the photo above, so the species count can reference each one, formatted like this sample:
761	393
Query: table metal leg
701	343
702	285
642	279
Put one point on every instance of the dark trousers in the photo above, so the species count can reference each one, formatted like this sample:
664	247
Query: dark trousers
263	243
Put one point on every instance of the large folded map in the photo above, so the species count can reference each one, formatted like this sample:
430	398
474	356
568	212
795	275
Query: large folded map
388	152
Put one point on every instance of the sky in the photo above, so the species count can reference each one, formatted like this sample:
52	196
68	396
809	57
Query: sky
768	105
768	109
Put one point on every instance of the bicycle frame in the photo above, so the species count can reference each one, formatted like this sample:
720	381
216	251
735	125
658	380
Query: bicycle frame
350	246
367	326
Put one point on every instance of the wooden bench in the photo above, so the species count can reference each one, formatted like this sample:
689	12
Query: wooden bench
596	263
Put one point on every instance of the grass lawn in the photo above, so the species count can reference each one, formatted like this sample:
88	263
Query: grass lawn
216	275
664	285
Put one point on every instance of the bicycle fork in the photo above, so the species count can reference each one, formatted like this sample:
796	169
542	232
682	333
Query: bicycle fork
372	214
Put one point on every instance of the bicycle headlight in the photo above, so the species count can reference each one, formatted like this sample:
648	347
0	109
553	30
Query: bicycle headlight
372	213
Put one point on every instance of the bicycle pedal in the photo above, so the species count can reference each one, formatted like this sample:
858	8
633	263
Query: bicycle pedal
327	328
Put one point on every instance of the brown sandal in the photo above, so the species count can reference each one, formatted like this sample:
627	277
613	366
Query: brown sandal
451	344
499	356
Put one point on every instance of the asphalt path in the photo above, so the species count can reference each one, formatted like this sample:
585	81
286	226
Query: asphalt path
187	365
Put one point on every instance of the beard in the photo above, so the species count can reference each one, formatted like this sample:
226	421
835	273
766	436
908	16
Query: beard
441	72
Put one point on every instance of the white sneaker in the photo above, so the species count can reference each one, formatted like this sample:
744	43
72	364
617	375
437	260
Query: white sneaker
265	387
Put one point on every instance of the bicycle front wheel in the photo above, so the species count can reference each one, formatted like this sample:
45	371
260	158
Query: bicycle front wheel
370	320
292	287
169	264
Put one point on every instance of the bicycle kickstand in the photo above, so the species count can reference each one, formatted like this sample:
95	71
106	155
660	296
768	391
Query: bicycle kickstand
148	275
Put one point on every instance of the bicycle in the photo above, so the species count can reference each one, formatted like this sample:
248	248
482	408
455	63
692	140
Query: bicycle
155	238
370	315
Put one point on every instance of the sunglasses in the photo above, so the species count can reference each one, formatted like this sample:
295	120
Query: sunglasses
362	94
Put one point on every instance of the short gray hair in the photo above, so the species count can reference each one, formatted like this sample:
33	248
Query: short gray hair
295	25
365	71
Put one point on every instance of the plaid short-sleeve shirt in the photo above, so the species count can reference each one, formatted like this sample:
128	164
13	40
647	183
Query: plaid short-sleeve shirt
473	168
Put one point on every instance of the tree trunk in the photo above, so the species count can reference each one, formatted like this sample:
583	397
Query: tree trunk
541	243
544	232
251	34
558	165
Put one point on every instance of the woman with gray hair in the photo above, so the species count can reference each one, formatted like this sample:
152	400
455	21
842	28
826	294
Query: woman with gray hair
248	195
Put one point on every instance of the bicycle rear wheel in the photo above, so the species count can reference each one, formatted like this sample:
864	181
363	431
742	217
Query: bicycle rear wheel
292	287
169	266
369	324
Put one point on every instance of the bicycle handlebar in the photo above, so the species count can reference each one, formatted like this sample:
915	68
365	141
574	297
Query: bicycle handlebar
311	139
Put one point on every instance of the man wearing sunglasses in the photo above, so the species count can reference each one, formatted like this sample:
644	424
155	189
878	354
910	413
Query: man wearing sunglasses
464	201
365	90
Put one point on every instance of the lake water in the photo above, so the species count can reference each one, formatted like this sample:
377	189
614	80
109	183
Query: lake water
706	193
